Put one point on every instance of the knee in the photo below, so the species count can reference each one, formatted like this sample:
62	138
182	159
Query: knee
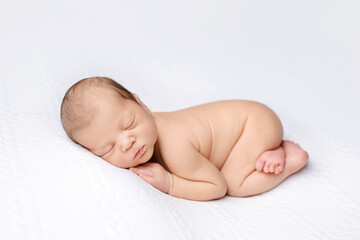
275	132
271	139
269	126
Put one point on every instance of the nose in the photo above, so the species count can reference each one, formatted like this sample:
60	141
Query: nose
127	142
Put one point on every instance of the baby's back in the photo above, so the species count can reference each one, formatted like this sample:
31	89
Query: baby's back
221	147
212	128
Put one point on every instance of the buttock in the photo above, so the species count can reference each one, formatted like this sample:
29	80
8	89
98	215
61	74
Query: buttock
262	132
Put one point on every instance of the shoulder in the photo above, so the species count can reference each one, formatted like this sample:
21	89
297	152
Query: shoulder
176	146
173	140
178	128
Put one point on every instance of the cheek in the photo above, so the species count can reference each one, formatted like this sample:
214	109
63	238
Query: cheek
150	130
118	159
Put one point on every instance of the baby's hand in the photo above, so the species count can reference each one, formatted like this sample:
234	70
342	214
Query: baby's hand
154	174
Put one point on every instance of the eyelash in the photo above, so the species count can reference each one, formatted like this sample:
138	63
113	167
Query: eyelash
108	151
125	129
130	124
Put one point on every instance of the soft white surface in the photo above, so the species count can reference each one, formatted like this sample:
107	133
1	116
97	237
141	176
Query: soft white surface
301	58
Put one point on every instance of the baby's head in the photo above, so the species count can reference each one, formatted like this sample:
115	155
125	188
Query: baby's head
108	120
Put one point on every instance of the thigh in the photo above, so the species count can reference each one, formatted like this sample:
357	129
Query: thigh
262	132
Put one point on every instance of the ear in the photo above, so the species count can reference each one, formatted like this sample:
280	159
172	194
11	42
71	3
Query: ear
141	103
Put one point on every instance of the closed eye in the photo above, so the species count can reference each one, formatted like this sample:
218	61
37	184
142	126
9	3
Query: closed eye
108	151
130	124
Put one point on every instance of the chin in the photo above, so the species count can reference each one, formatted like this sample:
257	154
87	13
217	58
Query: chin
147	159
148	155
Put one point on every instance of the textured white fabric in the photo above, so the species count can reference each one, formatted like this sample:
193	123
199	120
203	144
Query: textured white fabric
302	59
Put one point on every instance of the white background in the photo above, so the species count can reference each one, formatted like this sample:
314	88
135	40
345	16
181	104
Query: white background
301	58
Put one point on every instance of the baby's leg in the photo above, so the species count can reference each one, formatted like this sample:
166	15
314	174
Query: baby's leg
262	132
260	182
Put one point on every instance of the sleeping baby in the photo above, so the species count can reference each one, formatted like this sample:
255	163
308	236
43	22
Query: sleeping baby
204	152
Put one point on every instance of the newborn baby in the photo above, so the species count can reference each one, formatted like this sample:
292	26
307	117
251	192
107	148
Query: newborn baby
232	147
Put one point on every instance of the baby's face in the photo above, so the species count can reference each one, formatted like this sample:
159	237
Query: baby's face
123	133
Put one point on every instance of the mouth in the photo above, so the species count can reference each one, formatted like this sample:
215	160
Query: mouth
139	152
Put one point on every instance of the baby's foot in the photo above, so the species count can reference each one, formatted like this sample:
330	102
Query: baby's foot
296	157
272	161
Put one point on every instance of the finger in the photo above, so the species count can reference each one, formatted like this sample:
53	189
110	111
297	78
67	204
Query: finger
144	177
147	179
145	171
134	170
148	164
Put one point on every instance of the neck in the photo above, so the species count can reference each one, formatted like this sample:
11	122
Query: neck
157	157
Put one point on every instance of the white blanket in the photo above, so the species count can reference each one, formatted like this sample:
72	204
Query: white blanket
301	58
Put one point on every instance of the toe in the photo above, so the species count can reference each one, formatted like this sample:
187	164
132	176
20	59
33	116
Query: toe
277	170
272	168
259	165
266	168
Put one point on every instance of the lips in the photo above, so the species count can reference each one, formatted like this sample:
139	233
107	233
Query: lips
139	152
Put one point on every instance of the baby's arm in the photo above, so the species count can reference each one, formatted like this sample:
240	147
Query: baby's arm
154	174
193	176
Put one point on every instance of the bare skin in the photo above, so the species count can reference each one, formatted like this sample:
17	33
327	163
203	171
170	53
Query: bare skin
271	161
230	147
